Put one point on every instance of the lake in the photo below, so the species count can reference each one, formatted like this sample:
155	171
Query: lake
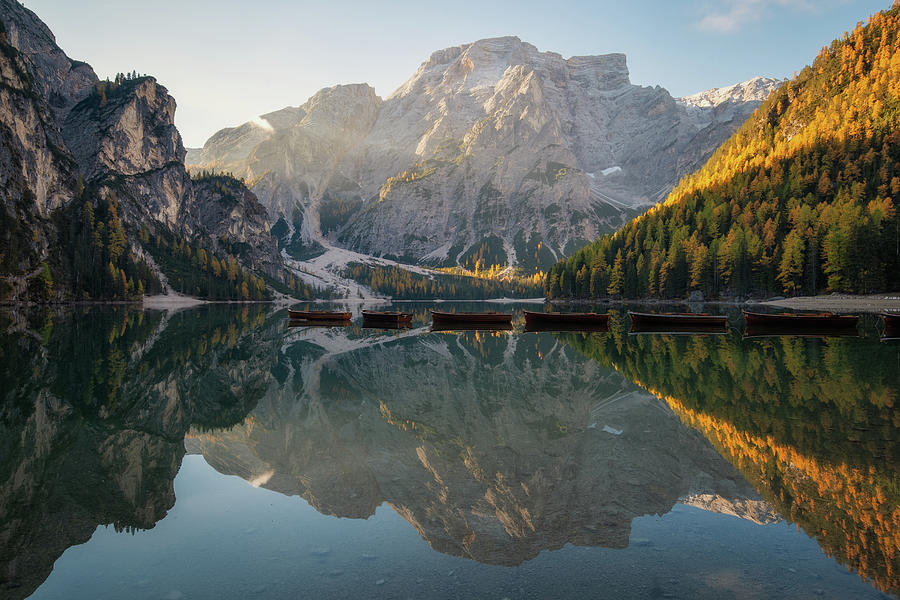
218	453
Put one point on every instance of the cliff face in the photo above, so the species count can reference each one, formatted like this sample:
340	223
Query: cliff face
230	214
70	139
490	142
36	173
125	140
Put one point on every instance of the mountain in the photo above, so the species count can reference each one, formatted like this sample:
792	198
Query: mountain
96	201
491	151
802	199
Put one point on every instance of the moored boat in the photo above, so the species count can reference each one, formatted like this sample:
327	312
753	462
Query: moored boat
440	317
318	315
382	318
559	318
891	324
676	319
557	321
799	320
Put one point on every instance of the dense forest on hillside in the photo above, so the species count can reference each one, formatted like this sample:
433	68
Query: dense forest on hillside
801	200
95	254
402	284
195	270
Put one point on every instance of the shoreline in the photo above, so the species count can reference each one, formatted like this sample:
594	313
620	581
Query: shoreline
837	303
885	302
171	302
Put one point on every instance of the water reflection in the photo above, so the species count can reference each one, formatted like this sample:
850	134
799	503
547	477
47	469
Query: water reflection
493	445
95	408
812	423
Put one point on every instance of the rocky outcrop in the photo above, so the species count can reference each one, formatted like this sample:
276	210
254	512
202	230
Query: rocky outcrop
36	173
233	217
488	144
69	139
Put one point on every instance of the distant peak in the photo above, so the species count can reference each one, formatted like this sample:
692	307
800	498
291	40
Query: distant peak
754	89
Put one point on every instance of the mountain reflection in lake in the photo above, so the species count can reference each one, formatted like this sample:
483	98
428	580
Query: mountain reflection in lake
492	446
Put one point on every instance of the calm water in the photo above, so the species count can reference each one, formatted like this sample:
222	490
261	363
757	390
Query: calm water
217	453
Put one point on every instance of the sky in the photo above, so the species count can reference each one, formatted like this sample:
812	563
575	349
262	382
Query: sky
226	62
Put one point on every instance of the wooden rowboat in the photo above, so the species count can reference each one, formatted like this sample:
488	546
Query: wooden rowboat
318	315
556	321
891	324
380	319
639	319
799	320
439	317
557	318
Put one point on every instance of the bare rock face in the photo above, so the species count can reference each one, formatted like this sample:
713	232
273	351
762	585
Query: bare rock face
231	215
125	139
36	172
64	130
491	143
61	81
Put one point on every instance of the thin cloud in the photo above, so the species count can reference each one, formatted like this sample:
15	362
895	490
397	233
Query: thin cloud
739	13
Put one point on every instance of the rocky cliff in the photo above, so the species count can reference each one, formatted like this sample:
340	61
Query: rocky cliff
492	149
70	140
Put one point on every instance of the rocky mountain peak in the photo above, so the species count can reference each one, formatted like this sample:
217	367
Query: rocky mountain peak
329	108
128	129
57	78
609	70
729	103
756	89
489	147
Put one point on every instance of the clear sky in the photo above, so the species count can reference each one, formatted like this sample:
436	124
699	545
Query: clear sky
227	61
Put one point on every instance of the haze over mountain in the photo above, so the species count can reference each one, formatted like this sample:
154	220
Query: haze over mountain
491	149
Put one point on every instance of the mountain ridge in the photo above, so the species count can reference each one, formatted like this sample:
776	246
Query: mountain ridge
96	201
801	199
519	151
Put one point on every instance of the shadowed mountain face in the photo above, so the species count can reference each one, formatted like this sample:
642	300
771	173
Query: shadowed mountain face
94	410
68	140
494	447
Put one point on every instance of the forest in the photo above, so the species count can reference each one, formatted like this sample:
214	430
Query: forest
198	271
801	200
97	259
402	284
